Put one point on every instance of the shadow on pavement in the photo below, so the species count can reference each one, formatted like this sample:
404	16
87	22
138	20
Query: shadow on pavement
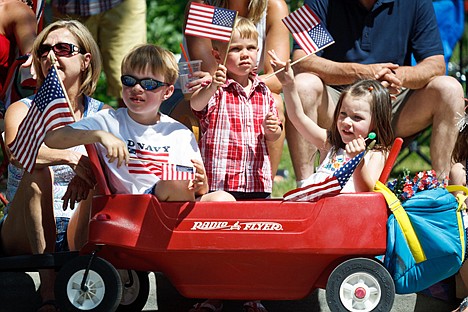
18	292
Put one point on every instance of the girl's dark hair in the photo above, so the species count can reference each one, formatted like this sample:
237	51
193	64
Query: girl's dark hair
460	150
381	113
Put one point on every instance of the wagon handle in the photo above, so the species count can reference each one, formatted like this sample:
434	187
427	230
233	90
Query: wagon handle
392	156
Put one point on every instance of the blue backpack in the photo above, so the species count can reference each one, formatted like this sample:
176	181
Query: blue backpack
425	238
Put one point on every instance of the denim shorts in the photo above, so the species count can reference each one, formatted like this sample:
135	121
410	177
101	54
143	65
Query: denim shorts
61	243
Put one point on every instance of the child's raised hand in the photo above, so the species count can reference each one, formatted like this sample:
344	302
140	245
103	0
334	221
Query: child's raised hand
285	76
355	147
116	148
219	77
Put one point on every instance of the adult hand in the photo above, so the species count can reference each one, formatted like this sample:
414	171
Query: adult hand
29	63
77	190
83	168
386	74
203	79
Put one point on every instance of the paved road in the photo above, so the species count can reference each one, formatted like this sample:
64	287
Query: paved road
18	293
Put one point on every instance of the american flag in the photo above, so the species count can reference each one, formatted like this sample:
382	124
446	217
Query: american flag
165	171
210	22
49	110
328	187
308	30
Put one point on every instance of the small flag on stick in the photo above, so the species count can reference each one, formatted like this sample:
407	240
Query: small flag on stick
165	171
210	22
328	187
49	110
308	30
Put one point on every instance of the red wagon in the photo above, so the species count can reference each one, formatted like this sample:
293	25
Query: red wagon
249	250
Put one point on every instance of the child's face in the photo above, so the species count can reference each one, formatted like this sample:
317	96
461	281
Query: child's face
355	118
242	55
143	105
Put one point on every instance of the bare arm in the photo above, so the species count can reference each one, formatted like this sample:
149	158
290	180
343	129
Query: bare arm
368	172
335	73
67	137
309	129
277	38
23	25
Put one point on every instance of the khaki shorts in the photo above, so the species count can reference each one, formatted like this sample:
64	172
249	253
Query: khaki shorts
397	104
116	31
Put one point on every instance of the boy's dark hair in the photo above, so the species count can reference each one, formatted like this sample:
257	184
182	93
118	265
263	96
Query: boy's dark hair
381	113
155	58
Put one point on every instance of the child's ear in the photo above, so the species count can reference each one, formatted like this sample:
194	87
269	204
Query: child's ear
168	92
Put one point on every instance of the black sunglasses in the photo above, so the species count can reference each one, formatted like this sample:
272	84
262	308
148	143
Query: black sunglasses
60	49
146	83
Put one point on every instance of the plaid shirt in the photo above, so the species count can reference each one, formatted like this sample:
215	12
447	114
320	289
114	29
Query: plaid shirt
85	7
233	144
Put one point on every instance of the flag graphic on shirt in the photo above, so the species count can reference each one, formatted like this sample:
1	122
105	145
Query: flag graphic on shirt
210	22
158	164
308	30
328	187
49	110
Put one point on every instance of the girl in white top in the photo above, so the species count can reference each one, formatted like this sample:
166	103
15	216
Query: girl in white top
362	108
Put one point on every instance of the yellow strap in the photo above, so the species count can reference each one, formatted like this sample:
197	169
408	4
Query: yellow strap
461	198
403	220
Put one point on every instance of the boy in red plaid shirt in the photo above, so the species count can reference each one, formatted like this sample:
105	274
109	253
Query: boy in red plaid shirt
237	116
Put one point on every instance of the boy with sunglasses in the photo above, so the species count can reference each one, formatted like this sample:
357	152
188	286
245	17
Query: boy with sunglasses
139	134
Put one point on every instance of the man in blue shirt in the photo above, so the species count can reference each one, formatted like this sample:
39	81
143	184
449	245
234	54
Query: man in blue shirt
375	39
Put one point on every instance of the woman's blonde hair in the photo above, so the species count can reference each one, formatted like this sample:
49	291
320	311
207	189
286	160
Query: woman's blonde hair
155	58
85	42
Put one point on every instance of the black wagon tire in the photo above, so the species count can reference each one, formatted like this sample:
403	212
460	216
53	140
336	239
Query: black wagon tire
362	285
135	291
103	286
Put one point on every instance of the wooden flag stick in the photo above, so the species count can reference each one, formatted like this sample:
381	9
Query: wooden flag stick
230	39
297	61
53	60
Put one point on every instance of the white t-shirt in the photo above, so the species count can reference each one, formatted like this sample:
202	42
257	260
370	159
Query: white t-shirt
167	141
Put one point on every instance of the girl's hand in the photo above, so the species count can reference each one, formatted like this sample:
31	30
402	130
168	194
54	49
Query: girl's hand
116	148
200	183
203	80
355	147
271	123
219	77
285	76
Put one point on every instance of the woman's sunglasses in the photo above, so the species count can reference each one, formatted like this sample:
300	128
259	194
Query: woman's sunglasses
146	83
60	49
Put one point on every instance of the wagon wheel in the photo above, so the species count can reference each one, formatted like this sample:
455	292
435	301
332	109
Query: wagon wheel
360	285
103	286
135	290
